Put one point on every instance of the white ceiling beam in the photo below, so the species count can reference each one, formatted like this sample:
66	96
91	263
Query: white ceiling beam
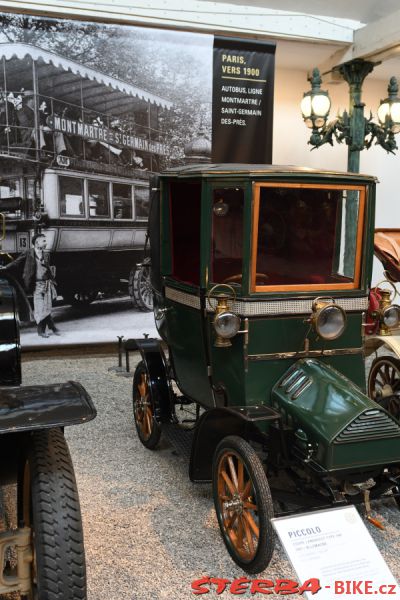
326	68
380	39
377	42
197	15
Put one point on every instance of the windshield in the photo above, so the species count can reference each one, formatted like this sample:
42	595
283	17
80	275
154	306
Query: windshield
307	236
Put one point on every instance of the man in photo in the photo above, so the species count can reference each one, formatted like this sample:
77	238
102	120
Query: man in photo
38	280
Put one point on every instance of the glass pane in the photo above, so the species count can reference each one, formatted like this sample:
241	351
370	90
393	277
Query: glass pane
142	197
98	199
30	188
10	188
227	235
347	234
71	197
185	231
11	192
307	236
122	201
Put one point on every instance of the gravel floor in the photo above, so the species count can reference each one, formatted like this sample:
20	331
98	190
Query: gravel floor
148	530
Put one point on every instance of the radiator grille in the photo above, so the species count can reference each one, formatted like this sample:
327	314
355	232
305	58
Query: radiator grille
371	425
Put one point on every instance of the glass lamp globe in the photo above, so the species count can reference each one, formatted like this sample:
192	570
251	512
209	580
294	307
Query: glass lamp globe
383	112
315	108
305	106
321	105
395	116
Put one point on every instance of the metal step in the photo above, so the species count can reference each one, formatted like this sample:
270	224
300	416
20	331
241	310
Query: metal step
180	437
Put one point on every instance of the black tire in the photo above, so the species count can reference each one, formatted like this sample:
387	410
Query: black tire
147	427
140	288
384	384
250	506
48	502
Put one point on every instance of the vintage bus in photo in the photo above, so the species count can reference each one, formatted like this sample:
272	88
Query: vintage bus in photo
77	150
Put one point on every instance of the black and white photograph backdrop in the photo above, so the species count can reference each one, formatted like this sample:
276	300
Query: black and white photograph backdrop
88	113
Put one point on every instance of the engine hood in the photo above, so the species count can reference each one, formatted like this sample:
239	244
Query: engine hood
345	427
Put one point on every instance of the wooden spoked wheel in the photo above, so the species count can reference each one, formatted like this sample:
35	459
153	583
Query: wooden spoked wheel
140	288
384	384
243	504
148	429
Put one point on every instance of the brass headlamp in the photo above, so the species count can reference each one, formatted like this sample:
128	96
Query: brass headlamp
387	313
226	323
328	319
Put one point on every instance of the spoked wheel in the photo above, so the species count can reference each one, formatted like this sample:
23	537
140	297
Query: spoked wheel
243	504
48	503
384	384
148	429
140	288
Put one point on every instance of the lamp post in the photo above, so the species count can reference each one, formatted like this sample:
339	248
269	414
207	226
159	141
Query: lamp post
353	127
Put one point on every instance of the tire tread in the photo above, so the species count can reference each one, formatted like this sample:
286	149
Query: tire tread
56	519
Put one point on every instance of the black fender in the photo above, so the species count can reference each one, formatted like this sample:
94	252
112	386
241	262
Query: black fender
154	359
28	408
23	305
10	349
217	423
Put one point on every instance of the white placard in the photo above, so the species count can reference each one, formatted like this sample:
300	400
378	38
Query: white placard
335	547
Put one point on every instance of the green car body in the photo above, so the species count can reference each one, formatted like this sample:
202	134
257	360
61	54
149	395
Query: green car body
248	372
261	278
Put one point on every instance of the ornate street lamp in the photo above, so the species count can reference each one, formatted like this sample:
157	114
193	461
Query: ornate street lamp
389	109
352	127
315	108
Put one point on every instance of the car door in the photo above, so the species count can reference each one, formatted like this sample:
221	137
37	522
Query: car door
184	298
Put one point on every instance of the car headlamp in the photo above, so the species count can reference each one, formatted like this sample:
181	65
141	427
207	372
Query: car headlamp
226	324
387	314
391	316
329	320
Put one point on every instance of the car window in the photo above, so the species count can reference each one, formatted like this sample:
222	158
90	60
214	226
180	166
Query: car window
307	236
71	197
185	212
227	235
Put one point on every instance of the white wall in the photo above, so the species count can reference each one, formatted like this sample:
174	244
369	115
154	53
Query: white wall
291	137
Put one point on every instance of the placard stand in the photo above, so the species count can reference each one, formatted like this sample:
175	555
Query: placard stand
335	547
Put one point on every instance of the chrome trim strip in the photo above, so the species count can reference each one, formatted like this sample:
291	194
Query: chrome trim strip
310	354
301	389
287	379
292	306
182	298
297	381
259	308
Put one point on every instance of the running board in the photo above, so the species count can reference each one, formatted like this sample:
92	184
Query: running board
180	438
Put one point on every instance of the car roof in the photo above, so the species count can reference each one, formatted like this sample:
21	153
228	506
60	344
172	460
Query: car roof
235	169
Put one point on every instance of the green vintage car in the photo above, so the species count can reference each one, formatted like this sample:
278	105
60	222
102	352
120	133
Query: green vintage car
261	278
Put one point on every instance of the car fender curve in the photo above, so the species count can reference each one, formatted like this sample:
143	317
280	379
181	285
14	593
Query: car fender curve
217	423
28	408
154	359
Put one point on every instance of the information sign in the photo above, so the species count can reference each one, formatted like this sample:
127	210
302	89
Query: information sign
335	547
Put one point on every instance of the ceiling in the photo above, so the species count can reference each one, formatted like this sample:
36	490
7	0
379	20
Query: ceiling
309	32
365	11
306	55
293	54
